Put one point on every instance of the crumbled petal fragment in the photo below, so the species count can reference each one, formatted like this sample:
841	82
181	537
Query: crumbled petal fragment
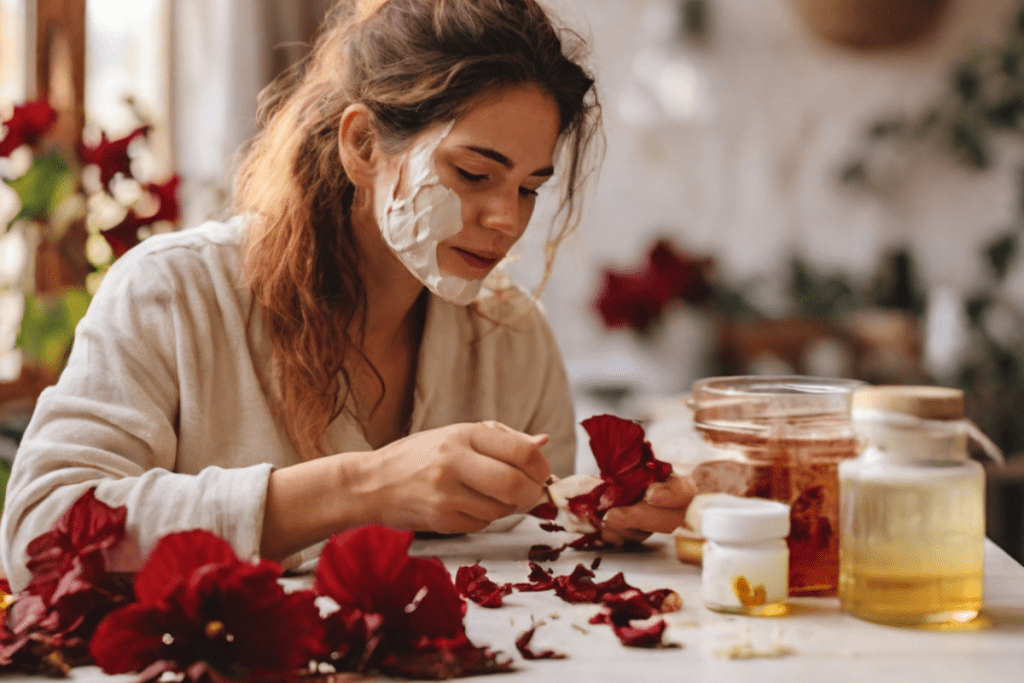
523	645
643	634
544	553
546	511
473	583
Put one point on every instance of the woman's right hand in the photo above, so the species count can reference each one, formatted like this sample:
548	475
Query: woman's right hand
453	479
449	480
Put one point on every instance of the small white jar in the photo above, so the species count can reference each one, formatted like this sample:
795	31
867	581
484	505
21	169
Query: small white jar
746	559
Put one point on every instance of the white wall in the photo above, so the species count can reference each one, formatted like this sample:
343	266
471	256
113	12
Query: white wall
755	180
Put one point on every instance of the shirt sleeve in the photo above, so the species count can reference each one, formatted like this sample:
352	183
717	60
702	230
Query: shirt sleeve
553	413
110	423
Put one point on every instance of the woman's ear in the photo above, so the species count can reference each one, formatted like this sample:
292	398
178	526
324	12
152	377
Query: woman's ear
357	145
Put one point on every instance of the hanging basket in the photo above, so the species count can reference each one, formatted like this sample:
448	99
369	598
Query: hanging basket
870	24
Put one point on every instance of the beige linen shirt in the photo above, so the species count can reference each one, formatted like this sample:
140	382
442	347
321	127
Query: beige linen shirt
166	402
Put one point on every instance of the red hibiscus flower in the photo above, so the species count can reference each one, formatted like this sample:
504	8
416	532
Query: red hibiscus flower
47	625
28	123
167	195
680	274
627	465
111	156
637	298
399	615
632	300
125	234
205	613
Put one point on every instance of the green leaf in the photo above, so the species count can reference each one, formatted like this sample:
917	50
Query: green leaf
48	326
967	82
975	307
1001	253
48	182
967	143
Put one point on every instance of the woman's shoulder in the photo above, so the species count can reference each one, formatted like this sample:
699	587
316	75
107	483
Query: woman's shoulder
211	239
209	250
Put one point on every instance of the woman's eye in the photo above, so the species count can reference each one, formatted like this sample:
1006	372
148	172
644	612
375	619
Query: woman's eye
471	177
527	192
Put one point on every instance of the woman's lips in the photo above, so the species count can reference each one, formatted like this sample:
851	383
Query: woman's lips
477	260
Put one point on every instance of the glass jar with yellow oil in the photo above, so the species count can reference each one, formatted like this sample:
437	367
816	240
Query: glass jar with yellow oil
912	510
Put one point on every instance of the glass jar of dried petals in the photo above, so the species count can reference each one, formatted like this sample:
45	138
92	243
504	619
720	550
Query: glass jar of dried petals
781	438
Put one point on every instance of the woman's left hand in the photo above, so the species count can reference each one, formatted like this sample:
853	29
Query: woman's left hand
663	509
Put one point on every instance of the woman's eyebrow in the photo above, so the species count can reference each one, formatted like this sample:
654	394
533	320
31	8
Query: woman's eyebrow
495	155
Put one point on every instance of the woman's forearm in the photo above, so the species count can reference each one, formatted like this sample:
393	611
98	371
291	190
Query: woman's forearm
309	502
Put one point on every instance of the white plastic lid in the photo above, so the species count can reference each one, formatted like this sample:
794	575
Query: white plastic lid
734	519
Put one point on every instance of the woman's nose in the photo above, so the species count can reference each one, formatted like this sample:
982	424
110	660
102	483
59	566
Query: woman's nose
501	212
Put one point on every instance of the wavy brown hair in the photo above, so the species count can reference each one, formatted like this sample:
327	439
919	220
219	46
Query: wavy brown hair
413	63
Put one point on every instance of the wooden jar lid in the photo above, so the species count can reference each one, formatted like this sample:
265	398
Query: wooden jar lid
928	402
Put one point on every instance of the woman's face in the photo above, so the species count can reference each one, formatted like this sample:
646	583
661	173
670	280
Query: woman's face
495	158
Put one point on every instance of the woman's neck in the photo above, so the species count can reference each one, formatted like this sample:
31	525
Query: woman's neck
391	290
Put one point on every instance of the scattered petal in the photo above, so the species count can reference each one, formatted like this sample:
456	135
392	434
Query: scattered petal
523	645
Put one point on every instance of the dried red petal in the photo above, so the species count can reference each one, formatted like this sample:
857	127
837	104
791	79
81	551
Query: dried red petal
596	563
650	636
592	541
577	587
544	553
628	467
539	580
616	443
523	645
552	527
473	583
545	511
442	660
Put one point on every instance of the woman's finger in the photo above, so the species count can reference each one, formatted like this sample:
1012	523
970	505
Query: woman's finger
674	493
517	449
646	517
499	481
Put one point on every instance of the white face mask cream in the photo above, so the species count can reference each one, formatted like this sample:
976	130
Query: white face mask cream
415	224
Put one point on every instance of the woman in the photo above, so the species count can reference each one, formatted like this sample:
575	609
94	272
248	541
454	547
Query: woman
341	352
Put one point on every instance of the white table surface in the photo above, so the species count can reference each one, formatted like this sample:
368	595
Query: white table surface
828	646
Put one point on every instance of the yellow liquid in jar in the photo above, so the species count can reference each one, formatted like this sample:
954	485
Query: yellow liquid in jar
912	549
